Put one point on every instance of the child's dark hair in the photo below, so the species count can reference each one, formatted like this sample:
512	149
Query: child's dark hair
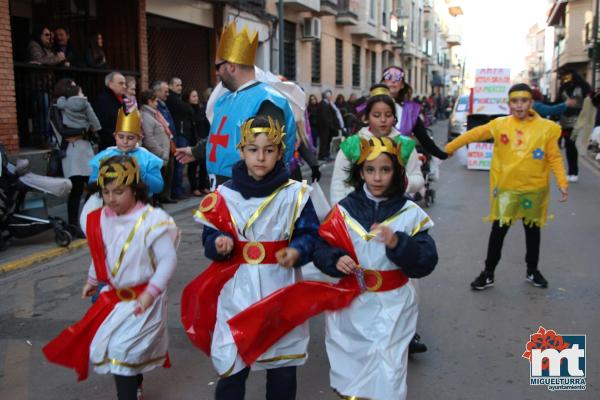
519	87
397	186
140	191
379	98
72	90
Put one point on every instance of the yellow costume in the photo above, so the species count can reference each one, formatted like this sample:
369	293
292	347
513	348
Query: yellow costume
524	153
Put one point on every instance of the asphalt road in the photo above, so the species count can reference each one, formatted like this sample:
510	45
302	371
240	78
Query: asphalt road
475	339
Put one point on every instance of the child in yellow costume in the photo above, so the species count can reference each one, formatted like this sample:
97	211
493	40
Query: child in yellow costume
525	150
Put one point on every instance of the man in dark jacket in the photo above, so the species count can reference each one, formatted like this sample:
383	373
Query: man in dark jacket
106	106
180	112
61	44
328	125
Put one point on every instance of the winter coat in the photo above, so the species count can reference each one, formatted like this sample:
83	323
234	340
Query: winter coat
106	106
77	113
155	138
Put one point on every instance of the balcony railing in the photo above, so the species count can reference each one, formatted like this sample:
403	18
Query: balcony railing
34	85
347	12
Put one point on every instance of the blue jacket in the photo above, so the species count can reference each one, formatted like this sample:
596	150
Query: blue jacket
164	110
546	110
148	163
415	255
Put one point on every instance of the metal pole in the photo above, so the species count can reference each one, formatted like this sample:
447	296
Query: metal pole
280	41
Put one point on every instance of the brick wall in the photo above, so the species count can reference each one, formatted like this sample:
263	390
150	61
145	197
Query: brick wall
8	108
143	44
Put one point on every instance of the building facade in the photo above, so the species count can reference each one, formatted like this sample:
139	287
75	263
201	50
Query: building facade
341	45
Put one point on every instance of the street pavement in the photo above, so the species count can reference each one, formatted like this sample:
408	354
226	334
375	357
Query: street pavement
475	339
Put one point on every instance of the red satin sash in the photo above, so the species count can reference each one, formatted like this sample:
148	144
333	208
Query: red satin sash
71	348
261	325
199	298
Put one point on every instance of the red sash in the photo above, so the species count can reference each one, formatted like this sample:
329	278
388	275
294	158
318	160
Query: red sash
200	296
71	348
261	325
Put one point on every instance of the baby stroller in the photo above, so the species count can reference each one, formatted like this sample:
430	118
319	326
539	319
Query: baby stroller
22	216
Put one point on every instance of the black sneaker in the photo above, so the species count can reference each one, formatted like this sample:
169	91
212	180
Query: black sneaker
416	346
536	279
483	281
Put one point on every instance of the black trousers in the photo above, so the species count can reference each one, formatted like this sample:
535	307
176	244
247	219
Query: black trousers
572	153
74	199
127	386
532	244
281	385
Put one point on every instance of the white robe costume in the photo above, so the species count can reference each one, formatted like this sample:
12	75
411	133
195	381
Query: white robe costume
367	342
251	283
126	344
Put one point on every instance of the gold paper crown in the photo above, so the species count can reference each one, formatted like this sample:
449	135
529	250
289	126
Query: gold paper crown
274	132
380	91
130	123
124	173
238	48
371	149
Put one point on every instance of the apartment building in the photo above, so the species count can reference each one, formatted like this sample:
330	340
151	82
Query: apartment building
342	45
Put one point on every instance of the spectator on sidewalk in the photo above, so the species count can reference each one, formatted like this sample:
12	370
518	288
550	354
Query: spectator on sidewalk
180	113
196	129
161	90
77	118
573	86
313	117
329	125
130	99
62	36
94	55
106	106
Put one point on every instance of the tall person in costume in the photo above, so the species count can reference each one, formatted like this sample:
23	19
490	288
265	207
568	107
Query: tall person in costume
244	97
374	240
132	245
408	121
260	227
525	151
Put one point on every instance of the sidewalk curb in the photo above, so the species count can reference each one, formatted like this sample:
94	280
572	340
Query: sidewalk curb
46	255
40	256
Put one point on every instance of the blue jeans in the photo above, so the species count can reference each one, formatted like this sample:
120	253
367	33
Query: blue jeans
177	185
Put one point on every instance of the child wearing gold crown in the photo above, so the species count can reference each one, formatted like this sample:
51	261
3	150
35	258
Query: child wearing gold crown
373	240
133	248
525	151
259	228
380	113
128	134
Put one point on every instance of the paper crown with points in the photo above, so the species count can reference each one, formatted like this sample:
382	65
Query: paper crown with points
372	148
238	48
130	123
274	132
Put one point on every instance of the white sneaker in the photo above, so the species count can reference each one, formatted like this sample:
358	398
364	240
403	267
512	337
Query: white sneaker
573	178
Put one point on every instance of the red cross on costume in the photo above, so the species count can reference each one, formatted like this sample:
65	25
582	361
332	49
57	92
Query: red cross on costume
218	140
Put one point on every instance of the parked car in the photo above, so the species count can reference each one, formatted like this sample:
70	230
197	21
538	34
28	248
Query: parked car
457	124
